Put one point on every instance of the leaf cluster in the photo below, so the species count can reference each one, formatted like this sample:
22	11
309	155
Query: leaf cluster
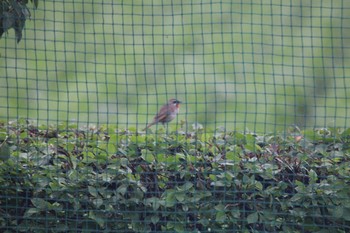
13	14
96	179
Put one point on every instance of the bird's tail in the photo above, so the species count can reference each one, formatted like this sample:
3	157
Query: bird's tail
149	125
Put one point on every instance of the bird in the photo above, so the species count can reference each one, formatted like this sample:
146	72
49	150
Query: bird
166	113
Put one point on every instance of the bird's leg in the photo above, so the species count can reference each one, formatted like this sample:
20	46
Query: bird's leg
165	126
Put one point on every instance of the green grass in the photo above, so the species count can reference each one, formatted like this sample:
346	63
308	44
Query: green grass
240	64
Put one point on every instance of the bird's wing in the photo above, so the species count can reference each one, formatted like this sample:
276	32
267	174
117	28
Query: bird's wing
162	114
161	117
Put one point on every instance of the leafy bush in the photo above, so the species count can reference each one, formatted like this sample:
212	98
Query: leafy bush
13	14
65	179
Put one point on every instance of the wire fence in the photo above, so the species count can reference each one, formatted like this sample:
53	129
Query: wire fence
240	66
262	66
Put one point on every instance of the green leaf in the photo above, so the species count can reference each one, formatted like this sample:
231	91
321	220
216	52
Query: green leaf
219	207
111	148
258	186
122	189
253	218
179	227
313	176
220	216
169	198
341	212
93	191
185	207
98	202
186	186
31	211
180	196
154	202
147	156
346	214
99	218
40	204
5	151
155	219
233	156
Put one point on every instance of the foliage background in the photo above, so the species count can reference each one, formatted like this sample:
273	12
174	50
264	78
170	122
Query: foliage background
257	64
99	179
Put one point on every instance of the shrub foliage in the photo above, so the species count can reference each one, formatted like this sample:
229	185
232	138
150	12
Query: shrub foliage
95	179
13	14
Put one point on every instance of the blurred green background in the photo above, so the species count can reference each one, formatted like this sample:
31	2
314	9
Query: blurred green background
261	65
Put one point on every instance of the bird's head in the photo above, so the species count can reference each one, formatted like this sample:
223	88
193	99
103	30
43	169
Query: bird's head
174	102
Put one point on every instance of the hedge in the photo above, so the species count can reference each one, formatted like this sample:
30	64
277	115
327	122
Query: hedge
65	178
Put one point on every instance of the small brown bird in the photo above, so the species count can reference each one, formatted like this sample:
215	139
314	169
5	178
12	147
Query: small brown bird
167	113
